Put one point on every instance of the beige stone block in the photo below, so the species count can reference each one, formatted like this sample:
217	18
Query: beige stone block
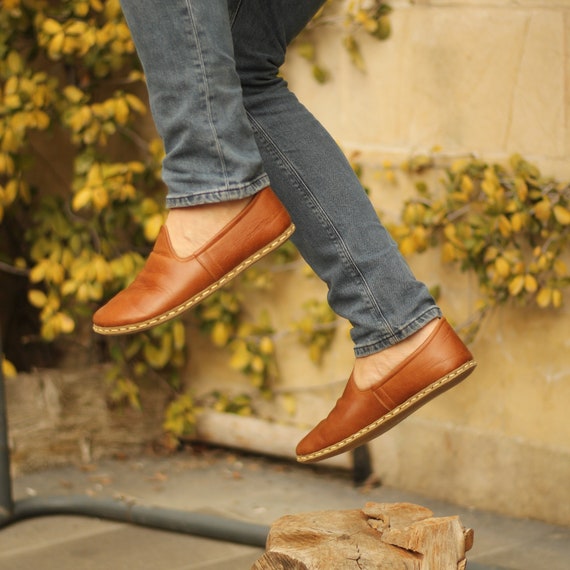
511	4
537	121
475	468
487	79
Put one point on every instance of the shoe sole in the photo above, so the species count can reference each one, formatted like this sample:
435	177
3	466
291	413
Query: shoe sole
394	417
172	313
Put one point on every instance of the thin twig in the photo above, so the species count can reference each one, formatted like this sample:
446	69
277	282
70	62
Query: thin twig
7	268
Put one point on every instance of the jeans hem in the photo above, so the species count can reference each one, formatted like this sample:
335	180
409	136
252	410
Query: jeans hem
398	335
230	192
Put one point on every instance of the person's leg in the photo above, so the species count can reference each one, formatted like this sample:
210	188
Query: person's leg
338	231
212	166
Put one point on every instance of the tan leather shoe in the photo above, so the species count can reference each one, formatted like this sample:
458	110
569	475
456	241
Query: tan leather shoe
169	285
440	363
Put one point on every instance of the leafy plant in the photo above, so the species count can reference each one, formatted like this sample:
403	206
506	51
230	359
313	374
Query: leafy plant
508	226
69	73
353	18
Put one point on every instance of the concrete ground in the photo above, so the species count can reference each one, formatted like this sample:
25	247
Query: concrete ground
237	486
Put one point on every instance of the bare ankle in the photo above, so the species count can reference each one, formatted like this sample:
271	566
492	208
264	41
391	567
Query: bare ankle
369	370
190	228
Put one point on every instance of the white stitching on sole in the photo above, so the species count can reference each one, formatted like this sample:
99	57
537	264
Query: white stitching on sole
391	414
197	298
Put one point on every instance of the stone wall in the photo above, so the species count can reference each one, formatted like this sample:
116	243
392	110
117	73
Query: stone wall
488	77
469	76
491	78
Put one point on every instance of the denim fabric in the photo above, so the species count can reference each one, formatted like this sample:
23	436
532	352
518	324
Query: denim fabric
185	47
229	120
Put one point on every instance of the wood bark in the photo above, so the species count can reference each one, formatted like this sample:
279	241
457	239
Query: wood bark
397	536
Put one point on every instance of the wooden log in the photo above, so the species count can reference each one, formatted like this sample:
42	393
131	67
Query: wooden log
380	536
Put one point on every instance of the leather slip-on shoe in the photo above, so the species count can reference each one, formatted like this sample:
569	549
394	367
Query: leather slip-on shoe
440	363
168	285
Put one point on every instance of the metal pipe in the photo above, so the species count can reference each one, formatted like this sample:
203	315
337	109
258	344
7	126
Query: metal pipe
197	524
6	500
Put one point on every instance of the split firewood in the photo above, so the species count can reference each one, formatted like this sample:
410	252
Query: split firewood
380	536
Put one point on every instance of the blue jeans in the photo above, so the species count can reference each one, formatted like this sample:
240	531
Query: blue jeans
231	126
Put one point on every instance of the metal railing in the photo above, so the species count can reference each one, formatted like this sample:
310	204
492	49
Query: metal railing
197	524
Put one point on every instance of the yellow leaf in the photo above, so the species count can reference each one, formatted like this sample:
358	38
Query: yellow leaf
502	267
178	335
289	403
55	273
257	364
14	62
408	246
55	45
157	357
121	111
315	352
73	94
37	298
518	220
95	175
152	227
82	294
490	253
220	333
542	210
241	358
81	9
266	346
6	164
102	270
448	252
41	120
521	188
516	285
51	26
504	226
8	369
100	198
135	103
10	192
556	298
544	297
76	28
530	283
68	288
11	86
459	165
95	291
38	272
560	268
67	324
81	118
81	199
562	215
490	187
466	184
127	192
12	101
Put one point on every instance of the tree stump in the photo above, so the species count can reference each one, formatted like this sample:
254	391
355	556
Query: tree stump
398	536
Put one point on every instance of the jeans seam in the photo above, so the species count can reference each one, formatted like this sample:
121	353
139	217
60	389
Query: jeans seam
427	316
235	13
335	236
207	98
